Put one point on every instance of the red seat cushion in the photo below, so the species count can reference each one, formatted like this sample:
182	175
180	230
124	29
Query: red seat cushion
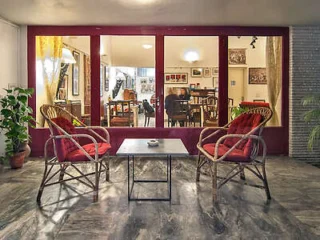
63	145
254	104
235	155
78	155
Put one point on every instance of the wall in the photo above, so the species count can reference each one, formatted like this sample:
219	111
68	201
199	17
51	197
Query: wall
304	81
9	61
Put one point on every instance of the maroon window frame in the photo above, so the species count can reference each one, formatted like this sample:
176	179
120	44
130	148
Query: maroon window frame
277	138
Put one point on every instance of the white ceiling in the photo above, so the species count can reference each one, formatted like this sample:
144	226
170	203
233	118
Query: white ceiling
162	12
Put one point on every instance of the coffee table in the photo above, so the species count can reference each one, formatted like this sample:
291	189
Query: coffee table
132	148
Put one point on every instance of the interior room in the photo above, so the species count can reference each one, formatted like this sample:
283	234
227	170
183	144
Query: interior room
159	119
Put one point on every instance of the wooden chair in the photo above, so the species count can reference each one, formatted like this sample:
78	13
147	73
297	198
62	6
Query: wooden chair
69	153
148	112
210	111
120	113
237	143
181	113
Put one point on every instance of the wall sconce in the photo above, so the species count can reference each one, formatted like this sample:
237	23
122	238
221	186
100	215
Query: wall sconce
67	56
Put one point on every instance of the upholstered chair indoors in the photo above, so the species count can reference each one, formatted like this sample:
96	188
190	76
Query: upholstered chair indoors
69	153
236	144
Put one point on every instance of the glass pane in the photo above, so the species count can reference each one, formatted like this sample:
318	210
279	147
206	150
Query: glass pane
191	81
127	81
255	74
61	74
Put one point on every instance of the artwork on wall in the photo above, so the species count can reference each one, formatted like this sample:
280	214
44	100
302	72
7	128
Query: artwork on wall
206	72
63	88
87	80
101	79
257	76
237	56
106	82
180	78
196	72
75	74
215	71
147	84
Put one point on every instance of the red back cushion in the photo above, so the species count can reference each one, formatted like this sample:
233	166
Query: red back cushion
242	125
64	145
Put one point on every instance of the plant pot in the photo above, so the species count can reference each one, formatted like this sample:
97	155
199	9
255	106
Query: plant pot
25	147
17	160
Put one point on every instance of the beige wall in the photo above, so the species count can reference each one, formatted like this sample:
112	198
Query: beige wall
9	61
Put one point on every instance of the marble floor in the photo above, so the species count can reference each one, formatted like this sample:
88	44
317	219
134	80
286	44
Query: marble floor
242	212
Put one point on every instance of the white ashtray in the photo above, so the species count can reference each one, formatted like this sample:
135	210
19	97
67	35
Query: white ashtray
153	143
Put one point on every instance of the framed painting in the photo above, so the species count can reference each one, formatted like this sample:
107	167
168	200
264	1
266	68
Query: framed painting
257	76
196	72
178	78
206	72
237	56
75	74
63	88
215	71
106	81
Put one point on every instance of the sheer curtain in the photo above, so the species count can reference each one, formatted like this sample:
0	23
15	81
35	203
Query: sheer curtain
49	52
274	68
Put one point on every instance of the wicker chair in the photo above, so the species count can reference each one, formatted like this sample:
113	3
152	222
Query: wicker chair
70	154
237	143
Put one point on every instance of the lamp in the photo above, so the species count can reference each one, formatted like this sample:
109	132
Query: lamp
67	56
191	56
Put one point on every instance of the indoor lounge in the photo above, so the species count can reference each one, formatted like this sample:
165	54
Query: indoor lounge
108	129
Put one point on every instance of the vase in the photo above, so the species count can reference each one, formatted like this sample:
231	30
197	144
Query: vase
17	160
25	147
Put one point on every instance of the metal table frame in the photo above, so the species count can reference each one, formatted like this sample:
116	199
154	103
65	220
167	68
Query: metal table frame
133	181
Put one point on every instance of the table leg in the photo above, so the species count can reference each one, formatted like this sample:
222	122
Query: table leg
128	177
170	178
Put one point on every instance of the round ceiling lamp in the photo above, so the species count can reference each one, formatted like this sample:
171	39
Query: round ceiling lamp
191	56
147	46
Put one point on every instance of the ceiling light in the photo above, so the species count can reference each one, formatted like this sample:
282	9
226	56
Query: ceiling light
67	56
191	56
147	46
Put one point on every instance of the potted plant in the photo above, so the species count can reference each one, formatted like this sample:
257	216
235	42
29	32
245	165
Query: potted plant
313	115
15	117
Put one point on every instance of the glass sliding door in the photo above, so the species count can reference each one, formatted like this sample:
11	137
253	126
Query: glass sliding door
61	74
127	81
191	81
255	74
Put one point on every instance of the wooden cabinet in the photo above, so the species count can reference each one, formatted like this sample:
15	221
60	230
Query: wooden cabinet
66	107
74	108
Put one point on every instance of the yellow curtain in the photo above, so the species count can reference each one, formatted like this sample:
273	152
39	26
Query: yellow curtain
274	68
48	53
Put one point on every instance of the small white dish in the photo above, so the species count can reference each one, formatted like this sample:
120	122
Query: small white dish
153	143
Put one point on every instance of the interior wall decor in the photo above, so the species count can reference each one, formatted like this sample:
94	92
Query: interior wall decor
215	71
106	82
237	56
87	80
196	72
63	88
176	78
257	76
75	74
206	72
101	79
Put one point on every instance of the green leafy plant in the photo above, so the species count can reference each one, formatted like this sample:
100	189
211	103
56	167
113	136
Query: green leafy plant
15	117
236	111
313	115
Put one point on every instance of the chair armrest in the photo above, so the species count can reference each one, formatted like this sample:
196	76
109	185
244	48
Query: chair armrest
242	137
90	128
81	135
215	130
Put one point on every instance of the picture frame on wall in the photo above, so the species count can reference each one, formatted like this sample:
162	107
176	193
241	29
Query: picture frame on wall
237	56
106	81
196	72
75	74
257	76
206	72
63	88
101	79
215	71
177	78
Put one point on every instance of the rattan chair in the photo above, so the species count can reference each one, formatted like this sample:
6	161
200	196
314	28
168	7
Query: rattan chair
237	143
69	154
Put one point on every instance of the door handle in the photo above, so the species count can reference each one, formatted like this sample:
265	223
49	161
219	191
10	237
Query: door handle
157	101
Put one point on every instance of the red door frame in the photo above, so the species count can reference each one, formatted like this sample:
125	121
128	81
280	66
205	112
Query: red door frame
277	138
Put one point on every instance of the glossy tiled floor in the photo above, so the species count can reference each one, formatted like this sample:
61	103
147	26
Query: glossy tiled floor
242	212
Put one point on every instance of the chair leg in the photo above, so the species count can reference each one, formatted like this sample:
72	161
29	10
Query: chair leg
107	169
42	184
213	167
62	170
242	175
148	121
198	167
265	182
145	120
96	186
